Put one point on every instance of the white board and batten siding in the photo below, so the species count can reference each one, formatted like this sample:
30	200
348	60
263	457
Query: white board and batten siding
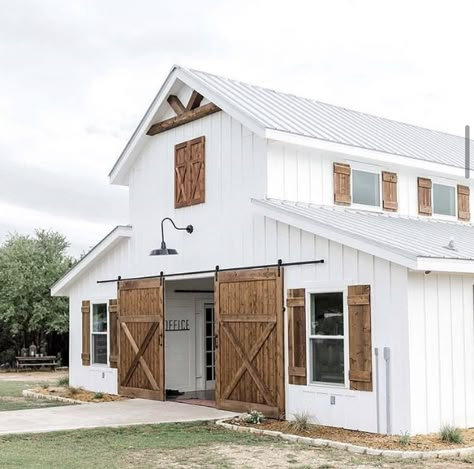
441	350
235	172
98	378
306	175
345	266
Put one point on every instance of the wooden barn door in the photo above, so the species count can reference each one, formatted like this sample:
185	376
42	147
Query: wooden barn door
249	328
141	342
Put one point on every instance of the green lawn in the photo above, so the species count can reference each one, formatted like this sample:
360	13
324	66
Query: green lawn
138	446
12	399
185	445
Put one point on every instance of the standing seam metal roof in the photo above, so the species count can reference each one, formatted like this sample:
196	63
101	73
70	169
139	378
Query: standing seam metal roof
288	113
414	236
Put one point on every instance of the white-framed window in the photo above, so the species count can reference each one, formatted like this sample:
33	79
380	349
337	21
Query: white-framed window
444	199
328	337
366	188
99	334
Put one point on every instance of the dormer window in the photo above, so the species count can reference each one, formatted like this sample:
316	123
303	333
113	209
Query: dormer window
444	200
365	188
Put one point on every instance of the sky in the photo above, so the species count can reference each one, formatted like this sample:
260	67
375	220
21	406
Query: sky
77	76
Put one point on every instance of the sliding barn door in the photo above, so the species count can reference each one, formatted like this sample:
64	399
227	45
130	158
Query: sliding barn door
141	342
249	327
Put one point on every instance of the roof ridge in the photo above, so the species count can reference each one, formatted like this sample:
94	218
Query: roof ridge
441	132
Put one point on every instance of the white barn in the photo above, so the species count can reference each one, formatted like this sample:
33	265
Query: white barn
345	255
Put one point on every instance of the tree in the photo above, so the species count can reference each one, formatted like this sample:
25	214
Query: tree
29	265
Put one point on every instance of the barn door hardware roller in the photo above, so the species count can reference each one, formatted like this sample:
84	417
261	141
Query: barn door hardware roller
217	269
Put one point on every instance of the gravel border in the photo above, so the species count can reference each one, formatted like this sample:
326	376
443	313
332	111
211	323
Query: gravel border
49	397
443	453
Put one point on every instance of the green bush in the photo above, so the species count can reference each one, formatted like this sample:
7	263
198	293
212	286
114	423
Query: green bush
253	417
98	395
451	434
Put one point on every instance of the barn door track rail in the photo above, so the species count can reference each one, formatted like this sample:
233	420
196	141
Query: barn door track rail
215	271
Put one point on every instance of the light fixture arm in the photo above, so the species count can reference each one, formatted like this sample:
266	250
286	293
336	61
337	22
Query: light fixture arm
188	229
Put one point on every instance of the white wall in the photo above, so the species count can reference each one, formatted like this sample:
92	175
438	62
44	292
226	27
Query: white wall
441	350
99	378
235	172
306	175
345	266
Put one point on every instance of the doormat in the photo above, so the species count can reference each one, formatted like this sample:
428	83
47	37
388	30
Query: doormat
196	401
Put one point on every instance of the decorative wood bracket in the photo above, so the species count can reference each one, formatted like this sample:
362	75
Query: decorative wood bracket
184	114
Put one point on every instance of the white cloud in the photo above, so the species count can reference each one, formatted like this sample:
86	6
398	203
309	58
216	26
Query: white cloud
77	76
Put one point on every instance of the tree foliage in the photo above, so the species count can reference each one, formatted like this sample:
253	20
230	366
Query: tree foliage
29	266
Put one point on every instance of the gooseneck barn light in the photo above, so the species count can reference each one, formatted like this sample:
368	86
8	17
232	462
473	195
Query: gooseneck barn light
164	251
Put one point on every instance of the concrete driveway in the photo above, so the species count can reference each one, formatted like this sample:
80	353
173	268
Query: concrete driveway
107	414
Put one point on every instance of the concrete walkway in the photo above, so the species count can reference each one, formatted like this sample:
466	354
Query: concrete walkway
107	414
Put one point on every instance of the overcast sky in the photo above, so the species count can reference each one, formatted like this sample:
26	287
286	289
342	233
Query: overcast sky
77	76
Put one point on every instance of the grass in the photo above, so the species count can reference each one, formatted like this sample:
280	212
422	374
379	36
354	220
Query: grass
301	422
11	397
139	446
451	434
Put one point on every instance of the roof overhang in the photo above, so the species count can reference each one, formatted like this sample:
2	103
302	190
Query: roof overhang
119	173
367	154
117	235
369	246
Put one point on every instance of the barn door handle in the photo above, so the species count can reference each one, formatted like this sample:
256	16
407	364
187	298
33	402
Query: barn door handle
161	339
216	339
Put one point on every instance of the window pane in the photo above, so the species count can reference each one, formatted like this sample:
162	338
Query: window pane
327	360
99	318
99	348
444	199
365	188
327	314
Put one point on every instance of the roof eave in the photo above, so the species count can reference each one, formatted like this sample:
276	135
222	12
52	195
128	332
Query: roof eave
435	264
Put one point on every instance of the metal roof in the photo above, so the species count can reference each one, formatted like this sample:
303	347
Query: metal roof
293	114
413	237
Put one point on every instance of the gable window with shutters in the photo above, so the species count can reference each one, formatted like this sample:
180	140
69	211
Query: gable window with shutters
189	173
99	334
444	200
328	337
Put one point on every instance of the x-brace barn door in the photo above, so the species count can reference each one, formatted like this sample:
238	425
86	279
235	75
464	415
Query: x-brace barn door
249	328
141	344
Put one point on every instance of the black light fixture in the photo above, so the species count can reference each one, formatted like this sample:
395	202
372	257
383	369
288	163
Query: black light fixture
164	251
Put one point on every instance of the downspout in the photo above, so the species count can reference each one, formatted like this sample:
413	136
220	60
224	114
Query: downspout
386	356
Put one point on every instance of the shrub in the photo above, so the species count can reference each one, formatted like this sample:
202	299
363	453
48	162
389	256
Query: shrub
98	395
451	434
254	416
300	422
405	439
64	381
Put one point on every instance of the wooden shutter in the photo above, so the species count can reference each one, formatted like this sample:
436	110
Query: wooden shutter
342	184
295	304
464	213
360	341
189	187
86	333
113	338
424	196
389	191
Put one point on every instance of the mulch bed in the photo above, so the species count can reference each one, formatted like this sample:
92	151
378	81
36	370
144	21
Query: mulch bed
78	394
431	442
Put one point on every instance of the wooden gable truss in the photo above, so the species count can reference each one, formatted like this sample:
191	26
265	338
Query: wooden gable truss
184	114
